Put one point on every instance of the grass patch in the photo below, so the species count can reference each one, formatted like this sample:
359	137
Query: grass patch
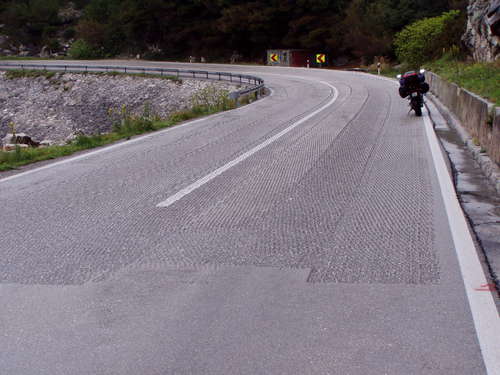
28	73
23	156
27	58
480	78
386	71
139	75
125	126
35	73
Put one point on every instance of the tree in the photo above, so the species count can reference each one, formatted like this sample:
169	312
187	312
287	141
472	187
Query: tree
426	39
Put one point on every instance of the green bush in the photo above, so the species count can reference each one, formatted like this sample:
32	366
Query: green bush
127	124
213	99
426	39
480	78
82	50
29	73
69	33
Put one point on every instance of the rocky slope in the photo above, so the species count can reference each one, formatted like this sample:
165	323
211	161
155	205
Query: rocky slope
482	36
57	108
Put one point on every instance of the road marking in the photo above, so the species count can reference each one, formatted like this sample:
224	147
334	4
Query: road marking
124	143
482	305
486	288
202	181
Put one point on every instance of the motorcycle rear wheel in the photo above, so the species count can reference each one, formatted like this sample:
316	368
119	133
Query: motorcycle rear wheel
418	111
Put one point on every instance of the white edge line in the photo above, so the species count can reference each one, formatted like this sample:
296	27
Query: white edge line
482	305
202	181
125	143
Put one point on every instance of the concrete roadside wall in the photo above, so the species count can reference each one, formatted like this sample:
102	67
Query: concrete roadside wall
479	117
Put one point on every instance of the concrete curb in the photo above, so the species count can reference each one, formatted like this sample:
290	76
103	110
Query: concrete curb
488	166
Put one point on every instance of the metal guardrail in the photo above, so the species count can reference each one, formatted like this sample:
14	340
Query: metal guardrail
256	83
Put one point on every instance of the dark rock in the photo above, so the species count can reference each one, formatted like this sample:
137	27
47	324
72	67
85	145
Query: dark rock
19	139
483	23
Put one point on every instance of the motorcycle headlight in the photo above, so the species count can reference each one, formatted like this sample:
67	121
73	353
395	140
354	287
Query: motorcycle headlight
422	71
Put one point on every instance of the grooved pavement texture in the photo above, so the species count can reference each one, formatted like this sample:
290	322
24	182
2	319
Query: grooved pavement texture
317	199
325	252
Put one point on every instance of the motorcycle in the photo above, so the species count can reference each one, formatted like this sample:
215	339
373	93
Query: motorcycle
413	86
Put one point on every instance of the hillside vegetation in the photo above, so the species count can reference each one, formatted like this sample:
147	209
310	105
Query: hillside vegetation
215	29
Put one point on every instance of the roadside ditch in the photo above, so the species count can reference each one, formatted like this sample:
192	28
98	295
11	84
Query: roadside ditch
477	195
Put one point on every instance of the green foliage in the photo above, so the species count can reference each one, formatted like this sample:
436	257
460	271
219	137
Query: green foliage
127	124
31	22
480	78
212	99
27	73
69	33
80	49
159	29
138	75
23	156
425	39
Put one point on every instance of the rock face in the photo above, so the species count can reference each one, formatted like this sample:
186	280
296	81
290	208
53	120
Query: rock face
482	36
59	108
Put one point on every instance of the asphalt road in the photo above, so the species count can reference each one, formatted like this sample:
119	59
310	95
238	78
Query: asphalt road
306	233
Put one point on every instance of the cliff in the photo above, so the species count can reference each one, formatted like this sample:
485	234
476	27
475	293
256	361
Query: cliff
482	36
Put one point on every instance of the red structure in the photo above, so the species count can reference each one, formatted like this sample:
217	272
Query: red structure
290	57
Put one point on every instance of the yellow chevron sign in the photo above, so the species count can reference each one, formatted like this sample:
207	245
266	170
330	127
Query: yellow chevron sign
274	57
321	58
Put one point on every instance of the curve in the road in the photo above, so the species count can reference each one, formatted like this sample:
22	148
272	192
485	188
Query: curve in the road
327	251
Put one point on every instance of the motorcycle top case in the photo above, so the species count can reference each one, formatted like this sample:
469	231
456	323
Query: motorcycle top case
412	81
412	78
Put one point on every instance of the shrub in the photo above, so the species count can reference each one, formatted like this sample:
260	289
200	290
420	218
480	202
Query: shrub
425	39
212	98
82	50
53	45
27	73
69	33
128	124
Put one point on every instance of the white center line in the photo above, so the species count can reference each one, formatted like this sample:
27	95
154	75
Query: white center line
482	305
202	181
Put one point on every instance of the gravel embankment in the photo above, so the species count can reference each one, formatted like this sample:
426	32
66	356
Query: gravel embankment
57	108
